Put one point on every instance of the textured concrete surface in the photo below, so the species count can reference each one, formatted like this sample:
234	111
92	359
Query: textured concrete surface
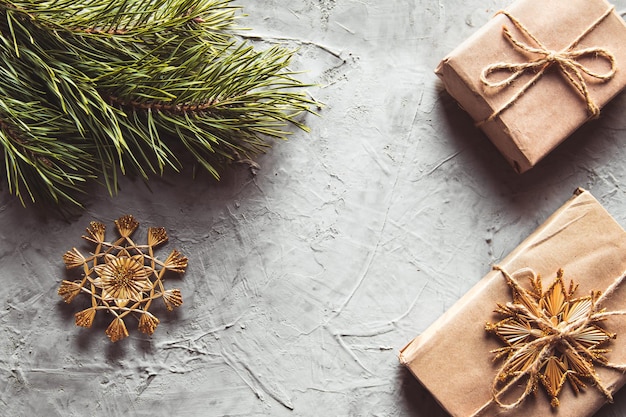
306	279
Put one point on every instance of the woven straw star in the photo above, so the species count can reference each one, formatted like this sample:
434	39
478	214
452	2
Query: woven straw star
122	277
551	336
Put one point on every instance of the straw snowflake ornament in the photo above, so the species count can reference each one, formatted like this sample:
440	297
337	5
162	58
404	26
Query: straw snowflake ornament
551	337
122	277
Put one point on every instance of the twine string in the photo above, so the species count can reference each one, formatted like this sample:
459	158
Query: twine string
544	345
567	60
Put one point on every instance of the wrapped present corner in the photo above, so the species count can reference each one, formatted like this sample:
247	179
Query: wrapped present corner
544	333
536	72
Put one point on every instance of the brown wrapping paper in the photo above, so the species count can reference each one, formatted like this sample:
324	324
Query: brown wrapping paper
550	110
452	358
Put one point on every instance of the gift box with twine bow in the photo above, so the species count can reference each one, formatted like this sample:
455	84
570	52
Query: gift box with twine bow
544	333
537	71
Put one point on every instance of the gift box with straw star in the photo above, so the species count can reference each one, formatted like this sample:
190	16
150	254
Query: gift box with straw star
543	333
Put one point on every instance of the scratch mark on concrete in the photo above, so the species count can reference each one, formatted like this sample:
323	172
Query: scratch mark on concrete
377	330
271	388
345	28
441	163
272	39
345	347
408	310
231	363
361	277
267	385
220	328
375	156
145	383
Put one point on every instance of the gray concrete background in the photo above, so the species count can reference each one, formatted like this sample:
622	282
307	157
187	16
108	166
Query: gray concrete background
305	280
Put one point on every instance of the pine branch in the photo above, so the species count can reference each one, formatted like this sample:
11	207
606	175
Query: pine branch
98	88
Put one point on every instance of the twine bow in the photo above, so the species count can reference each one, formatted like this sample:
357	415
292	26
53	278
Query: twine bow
567	61
541	326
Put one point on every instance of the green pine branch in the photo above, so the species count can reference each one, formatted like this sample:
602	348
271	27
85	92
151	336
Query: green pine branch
93	89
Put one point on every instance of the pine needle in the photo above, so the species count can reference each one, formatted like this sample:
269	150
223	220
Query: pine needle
93	89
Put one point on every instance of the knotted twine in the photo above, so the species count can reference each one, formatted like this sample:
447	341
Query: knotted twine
551	336
566	60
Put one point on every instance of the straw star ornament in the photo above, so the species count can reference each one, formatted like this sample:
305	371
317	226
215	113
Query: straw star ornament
122	277
551	337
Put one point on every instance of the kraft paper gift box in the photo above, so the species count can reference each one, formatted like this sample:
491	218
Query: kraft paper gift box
563	61
454	358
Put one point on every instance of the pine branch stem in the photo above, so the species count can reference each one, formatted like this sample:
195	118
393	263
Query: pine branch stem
176	109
